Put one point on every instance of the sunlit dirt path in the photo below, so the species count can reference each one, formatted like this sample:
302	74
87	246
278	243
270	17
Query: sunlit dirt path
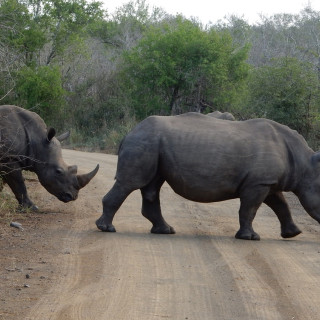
200	273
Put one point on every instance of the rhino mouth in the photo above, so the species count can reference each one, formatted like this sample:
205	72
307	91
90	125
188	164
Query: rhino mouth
66	197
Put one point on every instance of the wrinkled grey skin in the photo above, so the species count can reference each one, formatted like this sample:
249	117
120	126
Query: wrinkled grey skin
27	144
222	115
205	159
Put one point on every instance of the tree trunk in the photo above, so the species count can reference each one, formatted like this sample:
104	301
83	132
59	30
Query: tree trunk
174	98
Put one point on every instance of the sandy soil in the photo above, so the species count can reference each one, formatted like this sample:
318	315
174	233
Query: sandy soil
61	267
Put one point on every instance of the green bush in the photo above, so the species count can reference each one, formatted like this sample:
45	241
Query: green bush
40	89
286	91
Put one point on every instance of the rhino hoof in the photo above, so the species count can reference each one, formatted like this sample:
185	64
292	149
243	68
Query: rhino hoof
32	208
163	230
105	227
290	234
247	235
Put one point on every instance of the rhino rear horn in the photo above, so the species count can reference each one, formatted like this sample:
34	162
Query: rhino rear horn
63	136
84	179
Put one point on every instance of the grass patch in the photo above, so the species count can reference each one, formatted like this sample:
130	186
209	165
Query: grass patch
105	140
8	207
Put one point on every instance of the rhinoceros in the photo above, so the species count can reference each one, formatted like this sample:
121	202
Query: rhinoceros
205	159
27	144
222	115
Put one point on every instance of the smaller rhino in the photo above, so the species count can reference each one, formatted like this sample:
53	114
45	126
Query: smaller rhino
222	115
27	144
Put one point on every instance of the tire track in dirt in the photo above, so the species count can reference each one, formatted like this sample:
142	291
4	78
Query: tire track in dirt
57	303
277	279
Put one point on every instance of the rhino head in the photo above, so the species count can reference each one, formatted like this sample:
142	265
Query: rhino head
308	188
55	175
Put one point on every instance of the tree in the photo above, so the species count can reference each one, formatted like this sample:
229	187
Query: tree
19	30
39	35
66	21
285	91
14	40
40	90
177	66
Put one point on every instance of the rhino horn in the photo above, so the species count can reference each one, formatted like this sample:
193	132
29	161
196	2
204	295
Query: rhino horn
63	136
84	179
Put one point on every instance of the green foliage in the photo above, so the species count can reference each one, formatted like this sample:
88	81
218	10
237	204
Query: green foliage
178	65
31	24
40	89
285	91
97	74
39	36
65	22
20	31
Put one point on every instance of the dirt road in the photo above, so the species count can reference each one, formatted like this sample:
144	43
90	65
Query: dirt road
200	273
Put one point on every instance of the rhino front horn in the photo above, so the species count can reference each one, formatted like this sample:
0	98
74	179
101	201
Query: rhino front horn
84	179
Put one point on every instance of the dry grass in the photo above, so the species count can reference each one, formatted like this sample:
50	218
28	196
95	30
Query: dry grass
9	210
8	206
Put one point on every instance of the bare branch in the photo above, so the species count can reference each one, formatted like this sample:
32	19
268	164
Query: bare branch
6	94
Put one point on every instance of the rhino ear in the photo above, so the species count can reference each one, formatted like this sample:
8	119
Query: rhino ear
315	159
50	134
73	169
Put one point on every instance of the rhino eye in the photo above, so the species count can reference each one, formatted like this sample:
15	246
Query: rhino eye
59	171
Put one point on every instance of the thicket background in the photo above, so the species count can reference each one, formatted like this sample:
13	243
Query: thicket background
98	75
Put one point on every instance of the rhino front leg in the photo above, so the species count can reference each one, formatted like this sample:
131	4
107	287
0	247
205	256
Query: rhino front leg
279	205
151	207
250	199
15	181
111	203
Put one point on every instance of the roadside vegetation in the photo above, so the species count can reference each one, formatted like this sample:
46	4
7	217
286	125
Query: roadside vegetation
99	74
9	209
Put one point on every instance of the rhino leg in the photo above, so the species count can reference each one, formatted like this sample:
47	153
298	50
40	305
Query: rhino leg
251	199
151	207
279	205
15	181
111	203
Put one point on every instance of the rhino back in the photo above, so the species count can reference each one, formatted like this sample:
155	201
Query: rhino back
20	131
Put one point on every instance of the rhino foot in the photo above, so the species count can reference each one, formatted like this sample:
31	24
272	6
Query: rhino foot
28	208
247	235
166	229
290	233
105	227
34	208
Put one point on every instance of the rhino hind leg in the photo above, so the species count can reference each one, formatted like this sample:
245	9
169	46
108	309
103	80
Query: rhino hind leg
111	203
279	205
151	208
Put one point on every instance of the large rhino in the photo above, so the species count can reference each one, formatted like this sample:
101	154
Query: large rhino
222	115
27	144
205	159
